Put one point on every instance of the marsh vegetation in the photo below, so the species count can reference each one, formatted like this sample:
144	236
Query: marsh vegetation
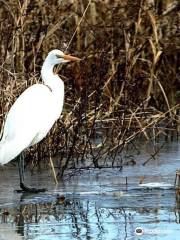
126	87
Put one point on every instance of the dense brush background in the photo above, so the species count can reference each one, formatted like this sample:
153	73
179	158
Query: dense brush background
127	83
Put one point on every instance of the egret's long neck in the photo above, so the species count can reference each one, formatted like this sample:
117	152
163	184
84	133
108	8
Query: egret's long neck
53	81
55	84
47	73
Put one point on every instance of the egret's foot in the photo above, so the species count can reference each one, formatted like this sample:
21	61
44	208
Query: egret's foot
28	189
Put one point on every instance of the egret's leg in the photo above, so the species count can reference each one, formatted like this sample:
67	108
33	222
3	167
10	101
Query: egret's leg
21	168
21	177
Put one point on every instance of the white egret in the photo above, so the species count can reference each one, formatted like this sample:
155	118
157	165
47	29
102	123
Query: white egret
33	114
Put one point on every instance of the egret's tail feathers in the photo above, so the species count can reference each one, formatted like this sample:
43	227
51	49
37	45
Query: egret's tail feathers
8	151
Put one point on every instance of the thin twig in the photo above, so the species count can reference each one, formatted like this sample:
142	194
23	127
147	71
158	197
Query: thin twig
78	24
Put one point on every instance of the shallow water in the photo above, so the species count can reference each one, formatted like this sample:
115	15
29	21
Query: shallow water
96	204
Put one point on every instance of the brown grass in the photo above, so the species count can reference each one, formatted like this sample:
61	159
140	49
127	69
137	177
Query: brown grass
127	84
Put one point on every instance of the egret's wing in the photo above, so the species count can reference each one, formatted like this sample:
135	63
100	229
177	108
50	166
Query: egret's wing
29	113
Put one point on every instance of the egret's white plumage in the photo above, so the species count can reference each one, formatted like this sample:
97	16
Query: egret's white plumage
35	111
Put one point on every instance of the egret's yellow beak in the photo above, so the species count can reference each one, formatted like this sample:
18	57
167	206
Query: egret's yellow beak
70	58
